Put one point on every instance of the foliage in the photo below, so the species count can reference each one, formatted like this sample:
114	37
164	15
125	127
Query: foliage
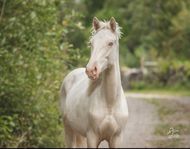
168	74
70	17
31	68
174	72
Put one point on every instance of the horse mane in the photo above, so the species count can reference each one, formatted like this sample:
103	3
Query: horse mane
106	24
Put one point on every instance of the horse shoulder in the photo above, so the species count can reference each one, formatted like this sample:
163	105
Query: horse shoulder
73	77
67	85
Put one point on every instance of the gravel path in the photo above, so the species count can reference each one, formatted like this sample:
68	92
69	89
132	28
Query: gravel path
142	121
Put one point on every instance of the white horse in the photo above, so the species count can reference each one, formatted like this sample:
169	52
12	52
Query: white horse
92	100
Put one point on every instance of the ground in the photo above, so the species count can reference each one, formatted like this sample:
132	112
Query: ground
157	121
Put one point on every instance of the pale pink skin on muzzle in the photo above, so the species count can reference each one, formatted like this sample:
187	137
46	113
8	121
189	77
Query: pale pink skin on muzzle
96	65
93	73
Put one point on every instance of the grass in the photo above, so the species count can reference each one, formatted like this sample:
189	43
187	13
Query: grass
167	129
171	135
171	128
144	87
163	91
167	143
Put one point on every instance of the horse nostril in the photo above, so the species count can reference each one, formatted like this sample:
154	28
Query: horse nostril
95	69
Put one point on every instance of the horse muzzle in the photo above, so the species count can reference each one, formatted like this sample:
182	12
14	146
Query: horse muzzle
92	72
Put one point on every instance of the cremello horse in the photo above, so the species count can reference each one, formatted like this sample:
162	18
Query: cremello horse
92	100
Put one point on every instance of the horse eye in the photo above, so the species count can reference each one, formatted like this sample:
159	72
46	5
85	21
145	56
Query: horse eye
110	43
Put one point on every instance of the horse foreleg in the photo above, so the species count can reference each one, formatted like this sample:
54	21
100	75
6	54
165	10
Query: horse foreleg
81	141
92	140
116	141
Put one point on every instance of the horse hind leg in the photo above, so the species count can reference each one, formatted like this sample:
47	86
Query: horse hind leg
116	141
70	137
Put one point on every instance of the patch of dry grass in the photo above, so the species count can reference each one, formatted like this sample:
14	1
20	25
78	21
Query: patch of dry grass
174	123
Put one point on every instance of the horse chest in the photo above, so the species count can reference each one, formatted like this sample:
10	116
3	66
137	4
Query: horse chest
105	122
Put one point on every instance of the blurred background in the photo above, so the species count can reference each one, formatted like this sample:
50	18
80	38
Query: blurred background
42	40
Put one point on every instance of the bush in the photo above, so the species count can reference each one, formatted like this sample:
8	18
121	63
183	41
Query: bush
31	68
174	72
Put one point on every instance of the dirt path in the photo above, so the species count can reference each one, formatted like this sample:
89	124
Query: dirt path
141	124
143	119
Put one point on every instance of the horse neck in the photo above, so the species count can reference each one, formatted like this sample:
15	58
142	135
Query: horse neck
111	81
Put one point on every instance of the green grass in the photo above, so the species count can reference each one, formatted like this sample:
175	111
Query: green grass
167	129
162	91
163	110
170	128
144	87
162	129
168	143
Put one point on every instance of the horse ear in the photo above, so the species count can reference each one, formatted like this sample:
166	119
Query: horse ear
113	24
96	23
